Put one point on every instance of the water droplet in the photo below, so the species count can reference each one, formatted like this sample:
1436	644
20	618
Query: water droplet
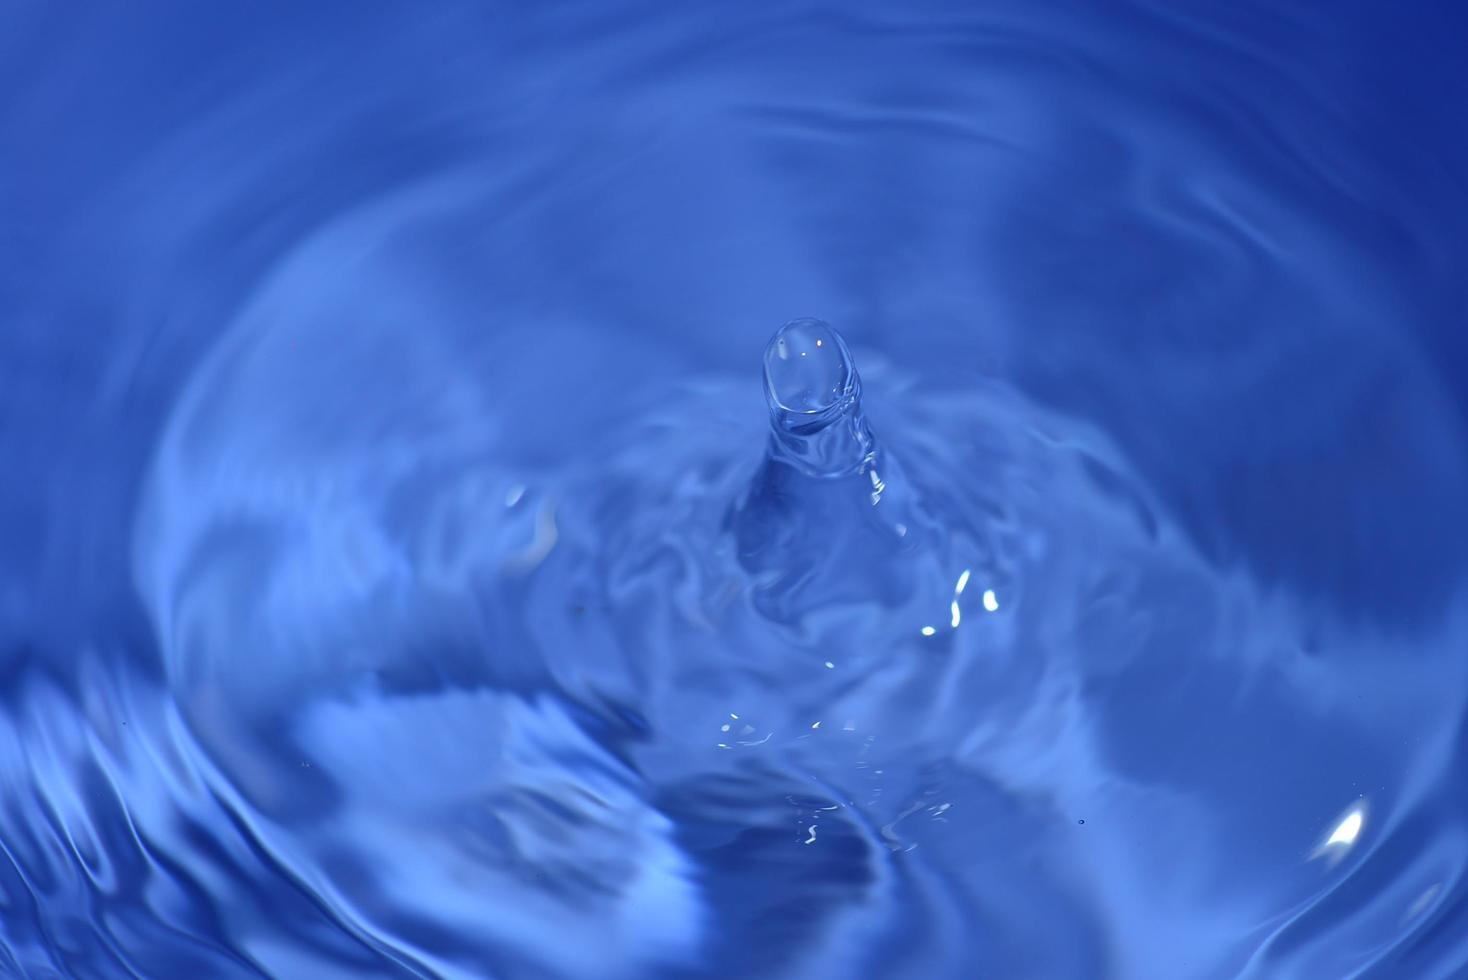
808	369
814	396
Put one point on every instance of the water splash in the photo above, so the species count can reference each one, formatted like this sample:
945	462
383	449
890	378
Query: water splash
327	652
732	616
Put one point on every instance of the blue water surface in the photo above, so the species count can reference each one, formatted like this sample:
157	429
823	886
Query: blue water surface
420	556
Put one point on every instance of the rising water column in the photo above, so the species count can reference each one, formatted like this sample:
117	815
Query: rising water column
814	396
826	518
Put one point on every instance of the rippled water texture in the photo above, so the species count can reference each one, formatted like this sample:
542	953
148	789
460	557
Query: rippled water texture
417	558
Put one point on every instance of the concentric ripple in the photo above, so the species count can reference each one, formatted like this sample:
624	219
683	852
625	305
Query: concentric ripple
426	554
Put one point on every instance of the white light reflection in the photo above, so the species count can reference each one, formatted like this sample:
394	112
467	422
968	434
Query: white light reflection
928	631
956	614
877	487
1344	835
991	601
1348	831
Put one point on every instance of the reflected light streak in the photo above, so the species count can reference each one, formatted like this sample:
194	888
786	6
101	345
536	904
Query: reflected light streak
1348	830
1344	835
